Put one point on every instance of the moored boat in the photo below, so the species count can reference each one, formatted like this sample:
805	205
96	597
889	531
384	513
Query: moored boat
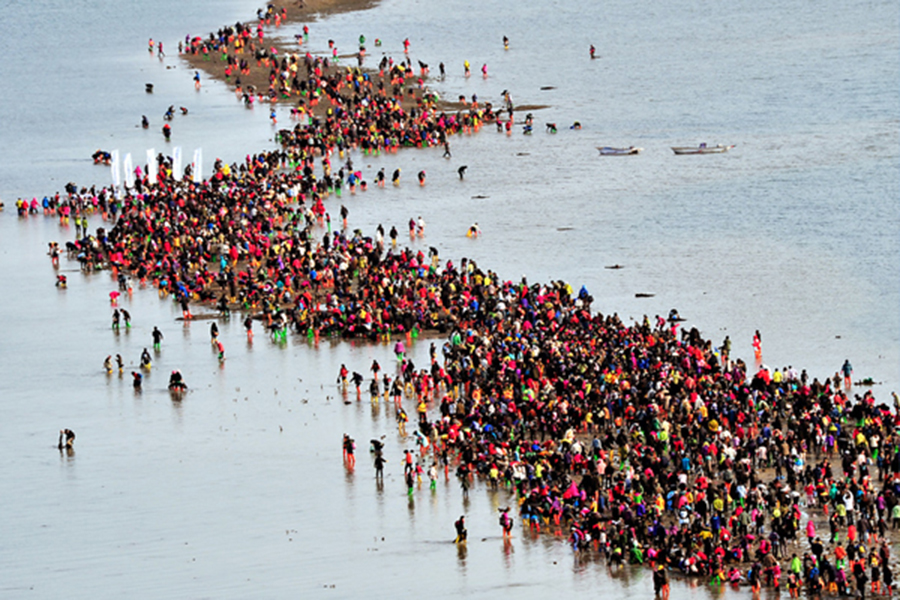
701	149
611	151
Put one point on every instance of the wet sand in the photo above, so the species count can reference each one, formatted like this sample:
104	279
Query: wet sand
297	12
214	65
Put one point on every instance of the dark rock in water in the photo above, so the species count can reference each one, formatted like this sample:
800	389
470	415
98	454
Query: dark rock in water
523	153
200	317
641	295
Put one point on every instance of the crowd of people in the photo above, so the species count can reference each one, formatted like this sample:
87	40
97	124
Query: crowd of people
653	447
643	442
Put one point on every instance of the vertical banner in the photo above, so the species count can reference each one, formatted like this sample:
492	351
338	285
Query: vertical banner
151	166
114	165
197	167
176	163
128	169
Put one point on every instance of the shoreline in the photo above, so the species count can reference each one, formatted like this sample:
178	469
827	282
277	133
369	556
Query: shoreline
258	73
222	62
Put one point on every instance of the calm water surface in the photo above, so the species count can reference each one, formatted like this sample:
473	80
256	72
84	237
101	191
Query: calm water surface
239	490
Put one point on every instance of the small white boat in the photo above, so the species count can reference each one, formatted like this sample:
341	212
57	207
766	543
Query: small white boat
610	151
701	149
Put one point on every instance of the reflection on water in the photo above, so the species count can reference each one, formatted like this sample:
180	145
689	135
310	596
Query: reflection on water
508	552
178	411
462	553
349	477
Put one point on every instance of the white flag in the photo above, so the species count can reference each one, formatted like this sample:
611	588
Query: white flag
176	163
197	167
114	164
129	170
151	166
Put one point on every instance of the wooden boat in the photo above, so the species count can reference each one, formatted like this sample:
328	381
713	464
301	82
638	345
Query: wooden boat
610	151
701	149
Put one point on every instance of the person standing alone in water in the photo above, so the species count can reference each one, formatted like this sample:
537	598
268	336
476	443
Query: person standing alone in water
157	338
66	439
461	533
847	370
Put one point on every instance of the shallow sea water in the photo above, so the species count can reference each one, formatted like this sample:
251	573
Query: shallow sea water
239	490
